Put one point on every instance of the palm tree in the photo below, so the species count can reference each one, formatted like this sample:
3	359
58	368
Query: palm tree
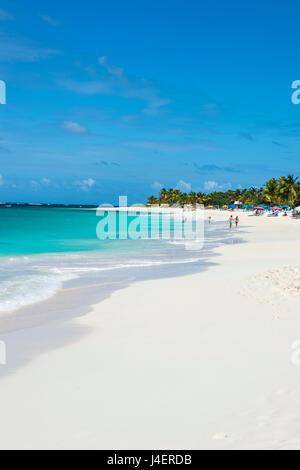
271	191
163	194
284	190
251	196
152	200
206	198
200	198
192	198
288	189
236	195
174	196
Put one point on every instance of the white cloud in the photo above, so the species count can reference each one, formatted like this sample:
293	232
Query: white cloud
210	185
89	182
145	93
183	186
45	181
87	88
4	15
112	69
116	83
85	185
49	20
36	185
214	186
73	127
156	186
22	50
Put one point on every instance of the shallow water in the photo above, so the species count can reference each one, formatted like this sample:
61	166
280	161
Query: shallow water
42	248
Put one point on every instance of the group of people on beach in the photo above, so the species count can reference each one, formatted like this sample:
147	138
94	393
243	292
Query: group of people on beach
232	220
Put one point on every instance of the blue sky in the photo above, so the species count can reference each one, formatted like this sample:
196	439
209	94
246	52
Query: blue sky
123	97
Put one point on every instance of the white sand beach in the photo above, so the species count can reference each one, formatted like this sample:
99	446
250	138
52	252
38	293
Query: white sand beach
203	361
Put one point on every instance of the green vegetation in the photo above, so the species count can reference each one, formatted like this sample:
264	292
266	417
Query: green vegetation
280	191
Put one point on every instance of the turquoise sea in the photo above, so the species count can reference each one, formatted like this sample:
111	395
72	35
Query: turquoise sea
43	247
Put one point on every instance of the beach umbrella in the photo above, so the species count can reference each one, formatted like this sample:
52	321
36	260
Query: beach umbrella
297	208
275	208
259	208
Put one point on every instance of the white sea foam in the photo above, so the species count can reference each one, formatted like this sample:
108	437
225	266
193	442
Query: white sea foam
25	280
21	290
26	290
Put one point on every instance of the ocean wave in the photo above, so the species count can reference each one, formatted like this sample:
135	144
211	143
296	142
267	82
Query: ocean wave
25	280
27	290
23	290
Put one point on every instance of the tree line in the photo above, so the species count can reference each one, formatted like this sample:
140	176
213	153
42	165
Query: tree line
284	190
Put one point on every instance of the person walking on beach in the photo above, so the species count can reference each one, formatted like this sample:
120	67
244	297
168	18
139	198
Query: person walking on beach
209	219
237	222
230	222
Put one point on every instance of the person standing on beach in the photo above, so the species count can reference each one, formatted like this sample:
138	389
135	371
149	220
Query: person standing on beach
230	222
237	222
209	219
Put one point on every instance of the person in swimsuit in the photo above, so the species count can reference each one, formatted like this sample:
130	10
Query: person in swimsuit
236	221
230	222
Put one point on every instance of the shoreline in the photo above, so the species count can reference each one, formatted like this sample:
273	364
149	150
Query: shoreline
72	280
167	363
